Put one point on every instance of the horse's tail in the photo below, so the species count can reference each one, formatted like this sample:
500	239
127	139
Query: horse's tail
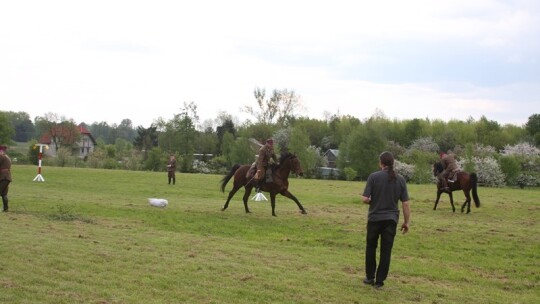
474	186
227	177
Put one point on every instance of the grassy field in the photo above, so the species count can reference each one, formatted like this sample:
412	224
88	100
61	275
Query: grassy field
90	236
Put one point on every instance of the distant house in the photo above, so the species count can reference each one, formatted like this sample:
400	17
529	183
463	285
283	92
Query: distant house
87	143
330	171
80	140
331	155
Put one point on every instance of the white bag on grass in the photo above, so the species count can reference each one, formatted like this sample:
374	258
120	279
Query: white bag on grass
158	202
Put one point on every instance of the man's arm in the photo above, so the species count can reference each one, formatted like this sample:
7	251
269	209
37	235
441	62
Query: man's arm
407	217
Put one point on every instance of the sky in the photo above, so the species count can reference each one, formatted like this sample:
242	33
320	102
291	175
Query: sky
105	61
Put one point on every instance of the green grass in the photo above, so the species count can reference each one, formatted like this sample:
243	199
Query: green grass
90	236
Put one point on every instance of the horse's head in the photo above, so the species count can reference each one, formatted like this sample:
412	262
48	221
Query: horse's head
437	168
292	162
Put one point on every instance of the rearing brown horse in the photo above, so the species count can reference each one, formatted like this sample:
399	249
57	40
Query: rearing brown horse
287	163
464	181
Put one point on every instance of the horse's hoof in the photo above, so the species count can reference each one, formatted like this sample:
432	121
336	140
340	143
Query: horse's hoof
303	212
222	209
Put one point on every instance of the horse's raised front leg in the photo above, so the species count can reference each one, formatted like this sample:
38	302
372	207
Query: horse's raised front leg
286	193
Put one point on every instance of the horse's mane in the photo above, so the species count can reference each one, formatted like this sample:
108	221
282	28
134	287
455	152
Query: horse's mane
438	166
284	156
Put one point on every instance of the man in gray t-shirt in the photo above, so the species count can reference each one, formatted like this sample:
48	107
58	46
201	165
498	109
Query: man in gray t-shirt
383	190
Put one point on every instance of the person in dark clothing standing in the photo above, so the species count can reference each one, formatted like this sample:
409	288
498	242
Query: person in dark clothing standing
383	190
5	176
171	169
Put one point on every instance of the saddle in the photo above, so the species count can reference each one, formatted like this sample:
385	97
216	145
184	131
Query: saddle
268	176
452	176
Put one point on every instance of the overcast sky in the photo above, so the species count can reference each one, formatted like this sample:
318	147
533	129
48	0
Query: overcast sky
96	61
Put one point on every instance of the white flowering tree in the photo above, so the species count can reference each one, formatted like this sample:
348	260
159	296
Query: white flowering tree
488	171
527	156
405	170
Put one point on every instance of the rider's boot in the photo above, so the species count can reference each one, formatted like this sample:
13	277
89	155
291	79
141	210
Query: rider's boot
445	185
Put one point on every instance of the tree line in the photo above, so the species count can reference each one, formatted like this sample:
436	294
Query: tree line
215	147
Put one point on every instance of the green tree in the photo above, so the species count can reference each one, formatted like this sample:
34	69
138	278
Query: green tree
299	144
123	148
6	130
206	142
340	129
226	126
259	131
511	167
146	139
125	130
184	124
413	129
316	130
242	152
488	133
104	131
227	143
361	150
533	128
465	132
156	160
22	125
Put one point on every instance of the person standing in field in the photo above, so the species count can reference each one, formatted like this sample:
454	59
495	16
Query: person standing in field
383	190
5	176
171	169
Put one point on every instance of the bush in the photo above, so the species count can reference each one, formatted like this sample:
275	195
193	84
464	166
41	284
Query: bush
405	170
423	165
526	180
511	167
200	167
424	144
218	165
349	172
489	171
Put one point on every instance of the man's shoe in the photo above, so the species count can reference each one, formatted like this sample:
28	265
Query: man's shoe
368	281
378	285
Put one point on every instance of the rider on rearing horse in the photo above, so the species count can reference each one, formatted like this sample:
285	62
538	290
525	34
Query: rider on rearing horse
450	166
